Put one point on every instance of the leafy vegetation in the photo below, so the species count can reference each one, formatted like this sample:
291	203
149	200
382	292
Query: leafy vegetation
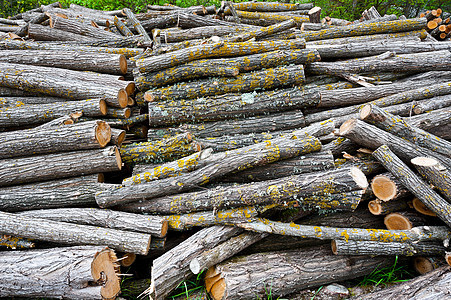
391	274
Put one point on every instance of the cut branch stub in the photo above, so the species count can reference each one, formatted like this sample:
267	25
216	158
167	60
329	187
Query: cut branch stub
104	270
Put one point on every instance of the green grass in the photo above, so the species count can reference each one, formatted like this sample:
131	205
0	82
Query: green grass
383	276
187	288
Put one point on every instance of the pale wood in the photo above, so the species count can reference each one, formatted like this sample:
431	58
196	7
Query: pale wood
435	173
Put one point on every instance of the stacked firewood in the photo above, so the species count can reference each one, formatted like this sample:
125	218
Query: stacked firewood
439	25
255	128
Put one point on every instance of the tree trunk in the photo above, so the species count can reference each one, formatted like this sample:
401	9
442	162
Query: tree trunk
314	15
285	272
278	149
265	79
397	126
365	29
433	285
44	33
416	62
340	247
74	60
278	191
51	166
67	233
173	267
415	185
82	29
65	273
435	173
154	225
60	82
81	136
155	63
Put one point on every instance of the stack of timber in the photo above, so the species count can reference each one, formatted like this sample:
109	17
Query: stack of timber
255	142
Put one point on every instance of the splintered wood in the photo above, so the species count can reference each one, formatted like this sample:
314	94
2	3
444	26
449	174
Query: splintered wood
182	137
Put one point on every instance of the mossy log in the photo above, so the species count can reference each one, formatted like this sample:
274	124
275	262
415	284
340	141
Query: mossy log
273	151
340	145
74	85
261	32
417	234
229	106
60	165
271	6
210	218
15	242
370	48
11	101
159	151
154	225
81	136
433	284
258	124
172	267
121	27
44	33
274	17
386	187
67	233
74	60
416	62
312	162
278	191
368	166
365	29
415	185
285	272
397	126
173	35
225	67
174	58
186	20
170	169
435	173
372	137
265	79
340	247
25	115
74	26
28	45
68	272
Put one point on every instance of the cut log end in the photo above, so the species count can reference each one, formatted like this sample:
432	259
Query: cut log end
448	258
359	177
375	207
211	276
130	88
347	126
164	228
127	112
383	188
104	272
395	221
103	106
123	64
127	259
194	266
422	265
103	133
421	208
333	246
424	161
122	98
118	158
365	111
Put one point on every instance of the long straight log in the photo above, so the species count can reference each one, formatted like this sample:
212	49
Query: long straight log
262	32
433	119
60	165
340	247
278	191
82	29
377	207
365	28
59	82
67	233
44	33
172	35
186	20
175	58
435	173
372	137
75	273
285	272
415	185
81	136
136	24
73	60
277	149
416	62
266	79
173	267
33	114
274	17
271	6
154	225
397	126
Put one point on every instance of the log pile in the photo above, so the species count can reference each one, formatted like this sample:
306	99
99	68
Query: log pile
315	149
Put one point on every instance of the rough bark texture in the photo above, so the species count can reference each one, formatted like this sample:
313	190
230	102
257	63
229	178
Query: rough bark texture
81	136
67	233
435	173
60	165
378	207
58	273
340	247
261	32
415	185
44	33
82	29
271	6
284	272
154	225
273	17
